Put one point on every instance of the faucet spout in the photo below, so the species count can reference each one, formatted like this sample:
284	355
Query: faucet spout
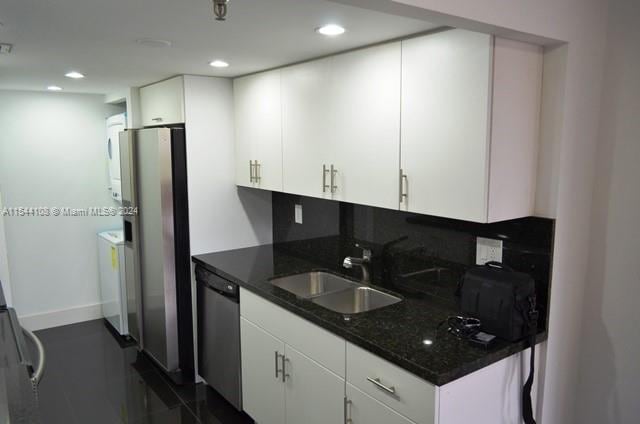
362	262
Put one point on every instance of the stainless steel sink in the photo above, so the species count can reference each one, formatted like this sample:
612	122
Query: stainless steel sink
311	284
356	300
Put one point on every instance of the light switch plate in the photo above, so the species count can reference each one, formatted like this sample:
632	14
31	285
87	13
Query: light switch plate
488	250
298	214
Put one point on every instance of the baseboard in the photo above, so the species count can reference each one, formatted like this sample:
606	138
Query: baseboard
61	317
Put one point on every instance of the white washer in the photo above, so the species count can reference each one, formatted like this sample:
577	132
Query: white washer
113	292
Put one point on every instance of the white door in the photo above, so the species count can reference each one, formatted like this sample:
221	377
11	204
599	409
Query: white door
163	102
258	131
307	140
365	105
363	409
262	386
446	86
314	395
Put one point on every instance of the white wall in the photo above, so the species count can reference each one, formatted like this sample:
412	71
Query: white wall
52	153
222	216
571	160
610	344
4	261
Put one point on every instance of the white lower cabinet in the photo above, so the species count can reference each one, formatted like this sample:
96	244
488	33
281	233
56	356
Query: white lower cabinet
262	387
305	384
313	394
393	386
363	409
326	380
281	385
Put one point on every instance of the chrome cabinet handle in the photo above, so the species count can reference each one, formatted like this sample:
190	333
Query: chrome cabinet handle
333	176
404	182
284	372
156	119
324	178
276	355
250	171
347	411
388	389
257	171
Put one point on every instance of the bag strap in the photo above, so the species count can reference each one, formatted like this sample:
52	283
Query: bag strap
531	318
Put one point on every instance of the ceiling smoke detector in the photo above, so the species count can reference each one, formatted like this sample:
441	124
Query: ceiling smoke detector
220	9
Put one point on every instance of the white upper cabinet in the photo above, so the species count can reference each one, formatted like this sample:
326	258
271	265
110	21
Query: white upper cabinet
258	122
365	106
307	140
341	127
469	126
445	124
163	102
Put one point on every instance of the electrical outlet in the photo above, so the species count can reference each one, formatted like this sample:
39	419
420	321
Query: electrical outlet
488	250
298	214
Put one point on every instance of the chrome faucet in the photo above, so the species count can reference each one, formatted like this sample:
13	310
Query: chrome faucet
362	262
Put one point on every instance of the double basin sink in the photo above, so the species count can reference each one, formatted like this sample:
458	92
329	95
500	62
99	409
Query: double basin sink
334	292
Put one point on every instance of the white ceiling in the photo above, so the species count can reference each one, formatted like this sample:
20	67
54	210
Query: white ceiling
97	38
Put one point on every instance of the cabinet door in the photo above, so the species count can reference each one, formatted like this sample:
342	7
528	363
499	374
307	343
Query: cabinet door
306	128
314	395
363	409
262	387
365	105
446	85
163	102
259	130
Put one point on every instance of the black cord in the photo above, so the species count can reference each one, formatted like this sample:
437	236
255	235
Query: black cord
461	327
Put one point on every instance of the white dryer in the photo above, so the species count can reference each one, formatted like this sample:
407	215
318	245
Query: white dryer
113	291
115	124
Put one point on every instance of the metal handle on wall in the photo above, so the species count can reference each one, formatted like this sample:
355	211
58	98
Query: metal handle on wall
42	357
324	178
250	171
276	356
404	182
284	368
257	166
334	171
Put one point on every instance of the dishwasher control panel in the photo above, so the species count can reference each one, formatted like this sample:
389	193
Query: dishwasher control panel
216	282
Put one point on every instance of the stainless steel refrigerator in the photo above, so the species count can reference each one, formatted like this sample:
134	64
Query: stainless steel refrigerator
157	258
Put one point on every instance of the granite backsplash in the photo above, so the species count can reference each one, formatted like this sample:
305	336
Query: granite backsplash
422	254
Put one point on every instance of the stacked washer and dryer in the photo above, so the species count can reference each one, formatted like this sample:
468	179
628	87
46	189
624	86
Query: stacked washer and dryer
113	291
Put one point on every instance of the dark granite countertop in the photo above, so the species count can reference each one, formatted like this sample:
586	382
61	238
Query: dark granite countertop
396	333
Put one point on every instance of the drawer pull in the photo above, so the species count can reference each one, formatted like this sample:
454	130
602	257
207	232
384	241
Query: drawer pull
377	382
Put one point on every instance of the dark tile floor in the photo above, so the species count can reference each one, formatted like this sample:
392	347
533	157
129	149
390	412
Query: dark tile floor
90	378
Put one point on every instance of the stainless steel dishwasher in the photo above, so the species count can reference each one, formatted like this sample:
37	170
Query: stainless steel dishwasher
219	335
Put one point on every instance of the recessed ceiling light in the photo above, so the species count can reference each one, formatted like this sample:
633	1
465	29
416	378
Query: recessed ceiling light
74	75
331	30
427	342
219	64
153	42
54	88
